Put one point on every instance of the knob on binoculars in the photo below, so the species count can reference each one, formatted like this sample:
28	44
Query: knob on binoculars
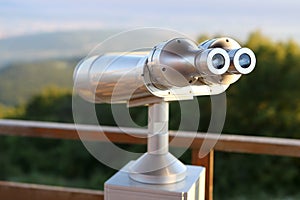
177	69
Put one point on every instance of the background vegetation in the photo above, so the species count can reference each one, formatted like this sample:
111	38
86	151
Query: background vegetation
265	103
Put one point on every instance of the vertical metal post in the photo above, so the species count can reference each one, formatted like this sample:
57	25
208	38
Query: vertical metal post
158	137
158	166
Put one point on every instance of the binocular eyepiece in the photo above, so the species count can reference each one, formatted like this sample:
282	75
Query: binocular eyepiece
173	70
242	60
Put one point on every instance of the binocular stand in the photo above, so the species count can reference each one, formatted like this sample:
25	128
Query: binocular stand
157	174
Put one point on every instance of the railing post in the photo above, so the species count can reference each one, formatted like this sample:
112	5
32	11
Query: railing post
208	163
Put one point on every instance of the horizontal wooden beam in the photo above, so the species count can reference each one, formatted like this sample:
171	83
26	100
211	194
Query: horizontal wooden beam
14	191
223	142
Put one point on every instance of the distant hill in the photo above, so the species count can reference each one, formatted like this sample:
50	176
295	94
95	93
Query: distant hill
30	63
73	44
19	81
50	45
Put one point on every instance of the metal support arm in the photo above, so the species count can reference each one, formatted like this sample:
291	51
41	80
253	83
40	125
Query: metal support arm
158	166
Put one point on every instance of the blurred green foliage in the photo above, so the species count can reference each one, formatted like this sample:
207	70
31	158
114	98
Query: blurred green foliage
265	103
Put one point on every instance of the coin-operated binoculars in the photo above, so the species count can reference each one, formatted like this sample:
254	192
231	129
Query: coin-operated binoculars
177	69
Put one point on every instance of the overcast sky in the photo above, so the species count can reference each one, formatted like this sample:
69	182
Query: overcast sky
278	19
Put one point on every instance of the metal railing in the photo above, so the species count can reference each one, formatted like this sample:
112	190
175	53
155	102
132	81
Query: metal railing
225	143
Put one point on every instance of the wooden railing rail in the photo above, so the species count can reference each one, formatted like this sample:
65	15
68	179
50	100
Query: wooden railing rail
224	142
24	191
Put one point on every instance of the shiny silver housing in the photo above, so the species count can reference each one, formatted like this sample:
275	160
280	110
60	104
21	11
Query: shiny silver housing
173	70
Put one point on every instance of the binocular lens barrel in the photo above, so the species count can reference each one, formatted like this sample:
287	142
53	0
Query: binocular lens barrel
214	61
243	59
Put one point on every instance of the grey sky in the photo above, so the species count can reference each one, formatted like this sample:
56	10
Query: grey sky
278	19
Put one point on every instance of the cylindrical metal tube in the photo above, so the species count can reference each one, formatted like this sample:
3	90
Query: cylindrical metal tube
158	119
213	62
112	78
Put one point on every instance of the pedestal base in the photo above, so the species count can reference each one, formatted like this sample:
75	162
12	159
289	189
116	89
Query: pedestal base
157	169
122	187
